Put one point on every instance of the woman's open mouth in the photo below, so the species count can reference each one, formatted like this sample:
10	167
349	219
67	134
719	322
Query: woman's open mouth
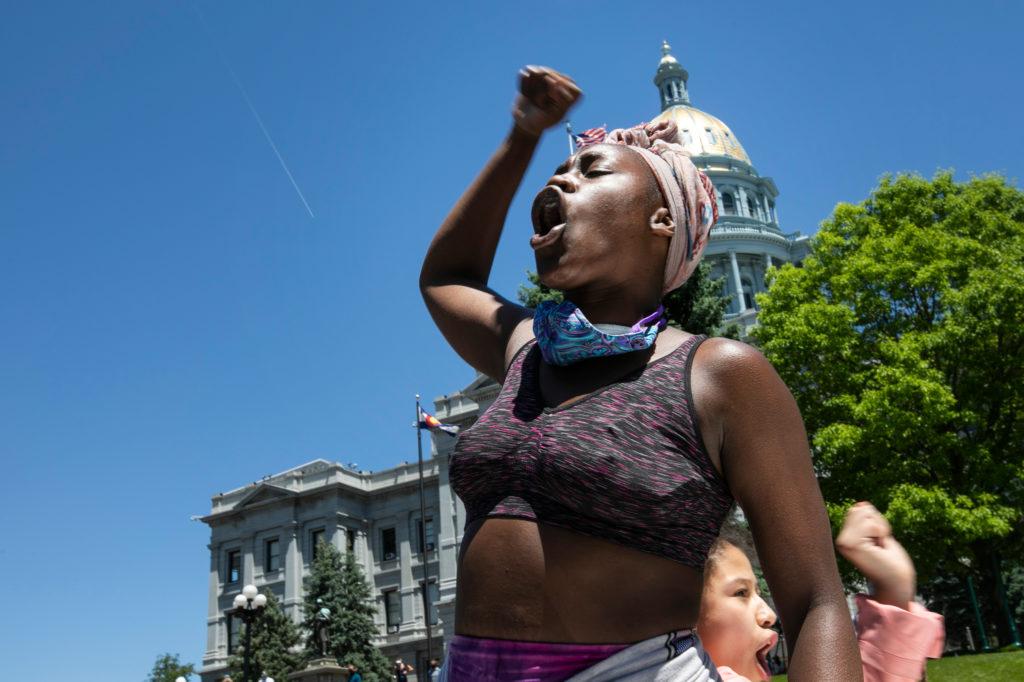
548	218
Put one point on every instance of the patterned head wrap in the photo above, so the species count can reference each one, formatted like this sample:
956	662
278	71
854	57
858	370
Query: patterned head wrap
688	192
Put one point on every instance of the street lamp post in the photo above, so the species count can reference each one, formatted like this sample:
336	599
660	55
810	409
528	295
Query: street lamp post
248	606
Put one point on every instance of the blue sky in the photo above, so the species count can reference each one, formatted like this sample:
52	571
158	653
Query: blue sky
173	323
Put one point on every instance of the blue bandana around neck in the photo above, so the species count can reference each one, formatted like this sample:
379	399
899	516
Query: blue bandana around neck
565	336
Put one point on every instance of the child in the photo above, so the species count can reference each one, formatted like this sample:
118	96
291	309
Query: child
895	633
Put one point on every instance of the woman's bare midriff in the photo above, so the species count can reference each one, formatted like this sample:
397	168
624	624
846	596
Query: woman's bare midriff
526	581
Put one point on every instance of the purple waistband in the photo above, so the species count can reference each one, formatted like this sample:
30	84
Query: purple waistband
504	660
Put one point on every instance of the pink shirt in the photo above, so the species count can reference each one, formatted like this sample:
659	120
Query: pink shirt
894	642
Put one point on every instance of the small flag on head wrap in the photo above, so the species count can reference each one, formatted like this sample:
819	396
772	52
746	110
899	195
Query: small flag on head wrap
431	423
589	137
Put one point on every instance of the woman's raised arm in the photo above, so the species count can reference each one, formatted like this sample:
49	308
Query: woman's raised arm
482	326
764	457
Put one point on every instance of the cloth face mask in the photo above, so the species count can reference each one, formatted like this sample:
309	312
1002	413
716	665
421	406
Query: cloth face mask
565	336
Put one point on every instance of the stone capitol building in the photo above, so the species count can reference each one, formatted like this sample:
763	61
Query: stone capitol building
264	533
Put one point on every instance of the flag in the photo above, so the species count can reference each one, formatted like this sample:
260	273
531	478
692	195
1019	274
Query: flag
431	422
589	137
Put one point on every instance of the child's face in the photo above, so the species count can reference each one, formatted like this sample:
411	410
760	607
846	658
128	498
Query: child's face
734	621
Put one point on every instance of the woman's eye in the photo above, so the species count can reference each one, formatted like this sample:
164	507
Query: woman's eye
742	593
597	171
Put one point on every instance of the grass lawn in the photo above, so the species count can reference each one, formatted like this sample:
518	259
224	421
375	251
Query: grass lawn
1008	667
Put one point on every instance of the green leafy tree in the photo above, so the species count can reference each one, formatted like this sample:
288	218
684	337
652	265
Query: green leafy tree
902	338
275	639
337	583
168	668
698	306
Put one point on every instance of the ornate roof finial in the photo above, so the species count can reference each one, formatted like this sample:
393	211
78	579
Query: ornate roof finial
671	79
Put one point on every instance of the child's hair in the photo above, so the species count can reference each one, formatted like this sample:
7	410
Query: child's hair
733	534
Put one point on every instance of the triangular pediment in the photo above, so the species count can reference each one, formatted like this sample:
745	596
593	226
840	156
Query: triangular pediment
264	492
481	382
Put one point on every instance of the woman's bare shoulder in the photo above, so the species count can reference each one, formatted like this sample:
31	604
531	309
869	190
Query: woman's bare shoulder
728	362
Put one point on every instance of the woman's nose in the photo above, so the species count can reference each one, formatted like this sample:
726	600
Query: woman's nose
564	182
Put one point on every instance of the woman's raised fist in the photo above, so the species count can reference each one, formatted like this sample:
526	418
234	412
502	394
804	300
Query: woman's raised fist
545	96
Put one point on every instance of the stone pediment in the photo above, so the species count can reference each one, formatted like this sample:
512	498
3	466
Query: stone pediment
264	492
482	382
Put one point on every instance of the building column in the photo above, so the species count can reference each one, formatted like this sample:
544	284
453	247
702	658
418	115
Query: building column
736	281
249	561
768	261
292	572
718	199
764	207
742	201
213	610
407	583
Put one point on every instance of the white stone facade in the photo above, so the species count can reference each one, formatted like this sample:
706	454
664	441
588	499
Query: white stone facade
352	510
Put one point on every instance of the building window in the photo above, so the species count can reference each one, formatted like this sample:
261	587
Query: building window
712	138
232	624
388	544
748	295
350	540
433	596
234	566
392	610
272	556
687	138
728	204
430	535
316	538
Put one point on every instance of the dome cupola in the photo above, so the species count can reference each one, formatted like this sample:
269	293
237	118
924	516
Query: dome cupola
671	79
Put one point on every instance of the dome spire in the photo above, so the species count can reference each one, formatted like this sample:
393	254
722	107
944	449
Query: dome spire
671	79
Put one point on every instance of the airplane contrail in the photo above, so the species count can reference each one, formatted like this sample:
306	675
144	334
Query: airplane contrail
252	108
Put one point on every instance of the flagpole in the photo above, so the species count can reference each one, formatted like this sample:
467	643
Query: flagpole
568	130
423	533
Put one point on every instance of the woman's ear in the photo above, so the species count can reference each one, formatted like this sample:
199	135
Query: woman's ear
661	223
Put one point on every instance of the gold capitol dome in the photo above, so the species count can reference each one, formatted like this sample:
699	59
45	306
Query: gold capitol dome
701	133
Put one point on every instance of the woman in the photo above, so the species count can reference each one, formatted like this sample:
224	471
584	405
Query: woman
598	480
896	634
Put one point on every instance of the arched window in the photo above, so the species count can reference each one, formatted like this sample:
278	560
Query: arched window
712	138
687	137
752	208
728	204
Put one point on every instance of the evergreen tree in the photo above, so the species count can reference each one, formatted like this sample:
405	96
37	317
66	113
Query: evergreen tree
902	339
168	668
698	306
274	637
338	584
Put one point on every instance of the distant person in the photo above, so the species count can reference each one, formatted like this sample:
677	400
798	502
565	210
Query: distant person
434	670
896	635
598	479
401	671
353	673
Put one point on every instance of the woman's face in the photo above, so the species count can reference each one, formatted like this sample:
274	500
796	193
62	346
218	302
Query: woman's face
735	621
592	222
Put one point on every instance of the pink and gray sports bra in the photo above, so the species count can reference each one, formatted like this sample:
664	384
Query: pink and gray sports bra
625	463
